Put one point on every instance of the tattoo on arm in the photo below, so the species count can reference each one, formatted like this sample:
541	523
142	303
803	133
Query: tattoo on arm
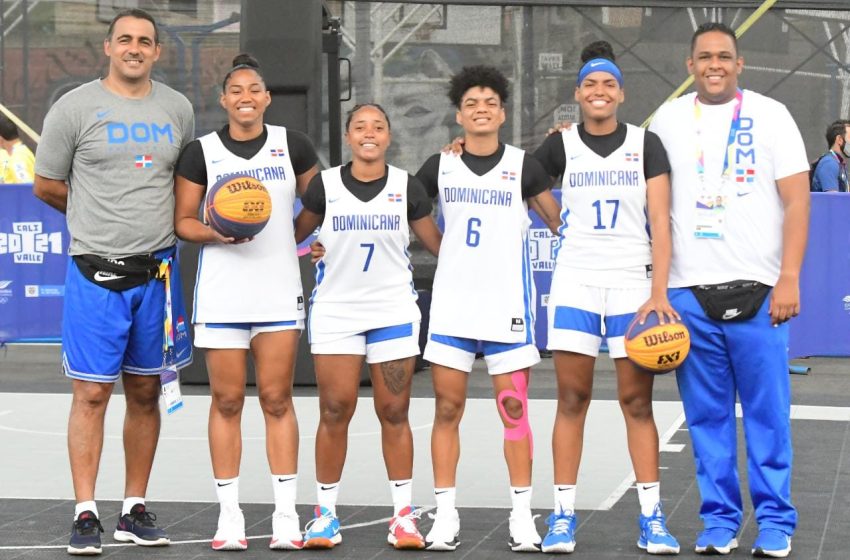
395	375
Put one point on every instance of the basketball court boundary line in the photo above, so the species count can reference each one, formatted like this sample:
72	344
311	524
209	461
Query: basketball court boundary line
202	541
628	482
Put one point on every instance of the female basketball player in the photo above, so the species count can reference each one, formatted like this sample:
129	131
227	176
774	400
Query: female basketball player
364	307
609	266
248	296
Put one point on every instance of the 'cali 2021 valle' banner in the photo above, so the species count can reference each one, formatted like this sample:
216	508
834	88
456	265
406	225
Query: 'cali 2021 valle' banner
33	258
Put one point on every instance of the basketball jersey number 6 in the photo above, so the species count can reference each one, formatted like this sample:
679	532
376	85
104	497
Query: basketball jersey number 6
473	236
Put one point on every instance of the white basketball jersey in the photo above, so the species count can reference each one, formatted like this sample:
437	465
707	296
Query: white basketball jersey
256	281
483	287
364	281
604	224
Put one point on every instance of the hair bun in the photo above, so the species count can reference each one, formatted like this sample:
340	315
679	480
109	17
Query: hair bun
598	49
245	59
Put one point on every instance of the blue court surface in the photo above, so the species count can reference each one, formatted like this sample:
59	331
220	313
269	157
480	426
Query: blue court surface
36	498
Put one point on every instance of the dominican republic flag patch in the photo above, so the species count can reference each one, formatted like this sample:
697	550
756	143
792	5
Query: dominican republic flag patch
508	176
745	175
144	161
394	197
632	156
277	152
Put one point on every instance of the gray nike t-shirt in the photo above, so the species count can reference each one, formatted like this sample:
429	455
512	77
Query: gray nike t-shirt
117	156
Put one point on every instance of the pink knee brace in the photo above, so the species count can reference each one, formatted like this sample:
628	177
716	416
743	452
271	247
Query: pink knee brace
521	428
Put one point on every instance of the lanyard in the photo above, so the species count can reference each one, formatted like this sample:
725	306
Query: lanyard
733	132
165	272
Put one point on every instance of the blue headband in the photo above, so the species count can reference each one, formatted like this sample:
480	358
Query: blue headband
600	65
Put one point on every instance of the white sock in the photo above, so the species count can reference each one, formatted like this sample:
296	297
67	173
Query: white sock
227	490
649	494
284	486
85	506
565	498
445	499
402	493
129	503
521	499
327	495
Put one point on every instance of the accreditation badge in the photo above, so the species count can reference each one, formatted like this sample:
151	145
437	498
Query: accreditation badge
170	383
710	211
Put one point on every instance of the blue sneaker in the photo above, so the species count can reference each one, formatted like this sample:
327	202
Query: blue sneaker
716	540
772	543
654	536
85	534
323	530
561	537
138	527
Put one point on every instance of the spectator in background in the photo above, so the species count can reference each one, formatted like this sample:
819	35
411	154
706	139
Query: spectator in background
16	160
831	170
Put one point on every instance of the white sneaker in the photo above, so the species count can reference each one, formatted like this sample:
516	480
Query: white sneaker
231	531
286	532
443	535
524	535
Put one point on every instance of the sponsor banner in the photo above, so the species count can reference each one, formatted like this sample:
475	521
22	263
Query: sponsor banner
541	248
823	326
33	258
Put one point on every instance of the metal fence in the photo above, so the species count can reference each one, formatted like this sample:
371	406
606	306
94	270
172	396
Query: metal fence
402	54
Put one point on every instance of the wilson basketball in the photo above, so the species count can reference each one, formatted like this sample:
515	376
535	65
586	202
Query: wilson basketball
238	206
657	348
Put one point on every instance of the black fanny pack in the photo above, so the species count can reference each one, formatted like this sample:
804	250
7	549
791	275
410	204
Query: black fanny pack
733	301
119	274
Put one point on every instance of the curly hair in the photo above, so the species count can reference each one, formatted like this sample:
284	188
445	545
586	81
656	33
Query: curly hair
477	76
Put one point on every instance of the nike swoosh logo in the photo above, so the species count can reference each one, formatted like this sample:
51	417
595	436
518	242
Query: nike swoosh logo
744	193
446	172
328	487
441	492
562	489
595	64
182	352
225	484
649	487
332	200
101	114
520	491
286	479
106	276
399	485
574	157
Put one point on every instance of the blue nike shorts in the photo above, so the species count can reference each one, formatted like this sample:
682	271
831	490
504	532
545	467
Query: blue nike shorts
105	332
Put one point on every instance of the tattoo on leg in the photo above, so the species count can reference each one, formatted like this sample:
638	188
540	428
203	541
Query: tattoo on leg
395	376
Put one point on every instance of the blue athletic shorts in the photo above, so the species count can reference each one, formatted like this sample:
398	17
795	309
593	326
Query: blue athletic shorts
105	332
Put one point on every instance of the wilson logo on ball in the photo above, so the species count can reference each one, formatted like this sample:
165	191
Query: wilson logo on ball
663	337
657	348
238	206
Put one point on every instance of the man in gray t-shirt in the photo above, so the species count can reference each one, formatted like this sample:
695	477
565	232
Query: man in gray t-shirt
106	159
